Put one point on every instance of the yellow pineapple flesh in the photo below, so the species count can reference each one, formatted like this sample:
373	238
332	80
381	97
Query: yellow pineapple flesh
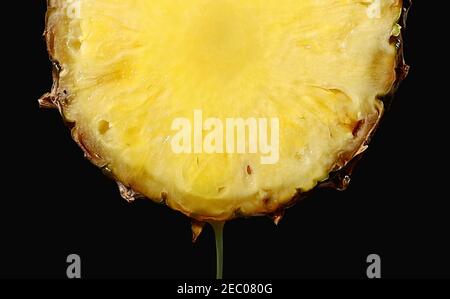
128	68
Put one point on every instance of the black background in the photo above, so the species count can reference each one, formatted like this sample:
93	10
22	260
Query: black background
54	203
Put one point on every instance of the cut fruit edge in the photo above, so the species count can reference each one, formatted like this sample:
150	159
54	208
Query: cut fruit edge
339	177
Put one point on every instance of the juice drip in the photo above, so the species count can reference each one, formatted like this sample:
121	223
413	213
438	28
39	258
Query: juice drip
218	233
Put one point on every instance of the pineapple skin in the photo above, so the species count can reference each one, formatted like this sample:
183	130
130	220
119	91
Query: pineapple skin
340	172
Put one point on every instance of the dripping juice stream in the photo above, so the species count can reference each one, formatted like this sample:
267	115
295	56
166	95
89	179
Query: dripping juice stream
218	234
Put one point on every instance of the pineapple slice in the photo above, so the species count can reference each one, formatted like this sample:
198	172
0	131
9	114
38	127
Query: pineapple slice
125	70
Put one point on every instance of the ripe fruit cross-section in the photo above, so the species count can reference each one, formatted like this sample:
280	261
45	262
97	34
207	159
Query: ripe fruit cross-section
126	69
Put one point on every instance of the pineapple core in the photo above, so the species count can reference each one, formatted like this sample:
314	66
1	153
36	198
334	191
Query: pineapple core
129	68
